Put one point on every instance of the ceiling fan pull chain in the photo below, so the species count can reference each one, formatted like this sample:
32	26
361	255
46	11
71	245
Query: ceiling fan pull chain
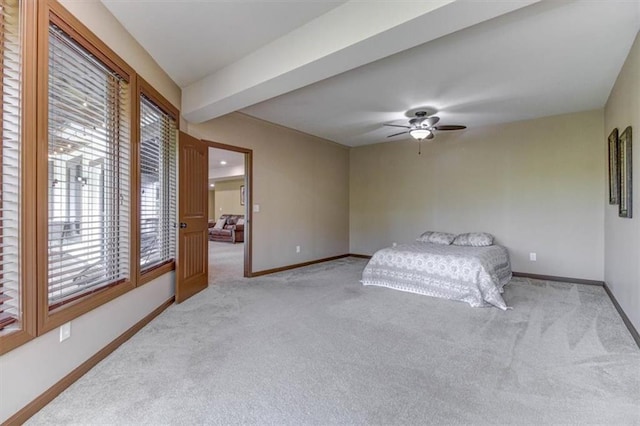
419	147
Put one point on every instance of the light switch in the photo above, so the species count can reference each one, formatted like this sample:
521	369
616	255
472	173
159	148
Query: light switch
256	208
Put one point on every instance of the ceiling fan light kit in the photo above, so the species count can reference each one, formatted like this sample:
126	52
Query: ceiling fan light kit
423	126
420	134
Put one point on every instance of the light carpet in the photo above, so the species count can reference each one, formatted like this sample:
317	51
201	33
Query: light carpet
313	346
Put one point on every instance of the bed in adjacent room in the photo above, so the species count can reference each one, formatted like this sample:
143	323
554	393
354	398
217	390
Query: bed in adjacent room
468	268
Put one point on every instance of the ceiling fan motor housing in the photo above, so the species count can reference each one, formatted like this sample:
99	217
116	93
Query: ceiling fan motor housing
422	126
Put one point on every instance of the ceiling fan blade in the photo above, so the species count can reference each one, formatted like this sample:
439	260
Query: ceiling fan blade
396	125
431	136
396	134
451	127
431	121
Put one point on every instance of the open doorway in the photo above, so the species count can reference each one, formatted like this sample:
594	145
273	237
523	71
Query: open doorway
228	212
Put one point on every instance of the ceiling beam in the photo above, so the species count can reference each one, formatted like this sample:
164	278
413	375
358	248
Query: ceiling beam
351	35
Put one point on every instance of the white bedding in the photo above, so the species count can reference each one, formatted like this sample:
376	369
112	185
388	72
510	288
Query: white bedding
475	275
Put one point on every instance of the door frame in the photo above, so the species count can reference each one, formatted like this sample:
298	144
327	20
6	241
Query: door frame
248	204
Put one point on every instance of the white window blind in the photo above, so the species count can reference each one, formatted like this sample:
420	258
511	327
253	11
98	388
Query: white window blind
157	185
88	195
10	161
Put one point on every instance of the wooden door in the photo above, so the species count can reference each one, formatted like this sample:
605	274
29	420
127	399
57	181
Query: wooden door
192	269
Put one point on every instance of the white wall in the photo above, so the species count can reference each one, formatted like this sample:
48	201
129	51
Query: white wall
537	185
29	370
622	236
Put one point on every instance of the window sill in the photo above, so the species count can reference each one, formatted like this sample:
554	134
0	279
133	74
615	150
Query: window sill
157	271
70	311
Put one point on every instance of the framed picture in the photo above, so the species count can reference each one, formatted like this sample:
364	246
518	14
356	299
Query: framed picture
625	165
614	169
242	195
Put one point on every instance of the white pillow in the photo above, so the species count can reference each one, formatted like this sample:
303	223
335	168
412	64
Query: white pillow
424	238
240	221
220	223
474	239
441	238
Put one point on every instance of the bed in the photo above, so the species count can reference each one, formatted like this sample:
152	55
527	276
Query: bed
475	275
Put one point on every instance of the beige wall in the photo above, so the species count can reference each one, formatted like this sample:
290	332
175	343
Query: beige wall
31	369
301	185
102	23
212	205
622	236
536	185
228	197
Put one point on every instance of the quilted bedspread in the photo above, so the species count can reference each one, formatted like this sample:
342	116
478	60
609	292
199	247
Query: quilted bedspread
475	275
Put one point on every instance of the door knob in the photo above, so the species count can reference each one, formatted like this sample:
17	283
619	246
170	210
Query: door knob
183	225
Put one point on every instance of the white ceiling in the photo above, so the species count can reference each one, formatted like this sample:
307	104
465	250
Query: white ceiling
340	78
193	38
234	166
546	59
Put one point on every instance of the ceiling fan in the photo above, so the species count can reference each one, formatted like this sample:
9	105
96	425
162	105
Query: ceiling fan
423	126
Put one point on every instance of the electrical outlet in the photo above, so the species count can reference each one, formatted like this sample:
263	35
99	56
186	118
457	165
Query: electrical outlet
297	249
65	331
533	257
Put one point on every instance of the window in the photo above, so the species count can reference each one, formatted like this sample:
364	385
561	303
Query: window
158	132
10	167
81	195
88	172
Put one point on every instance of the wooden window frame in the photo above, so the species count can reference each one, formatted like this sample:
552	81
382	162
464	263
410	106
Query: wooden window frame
28	329
36	318
161	102
52	12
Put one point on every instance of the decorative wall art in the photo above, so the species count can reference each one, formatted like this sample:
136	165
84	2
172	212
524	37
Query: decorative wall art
625	172
614	170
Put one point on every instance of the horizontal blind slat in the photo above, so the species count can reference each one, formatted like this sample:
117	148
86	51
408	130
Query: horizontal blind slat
88	195
10	167
157	193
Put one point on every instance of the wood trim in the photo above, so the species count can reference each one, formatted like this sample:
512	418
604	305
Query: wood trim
52	10
42	150
234	148
360	256
297	265
248	181
634	333
87	39
559	279
146	89
134	185
248	228
156	272
48	320
27	332
47	396
150	92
